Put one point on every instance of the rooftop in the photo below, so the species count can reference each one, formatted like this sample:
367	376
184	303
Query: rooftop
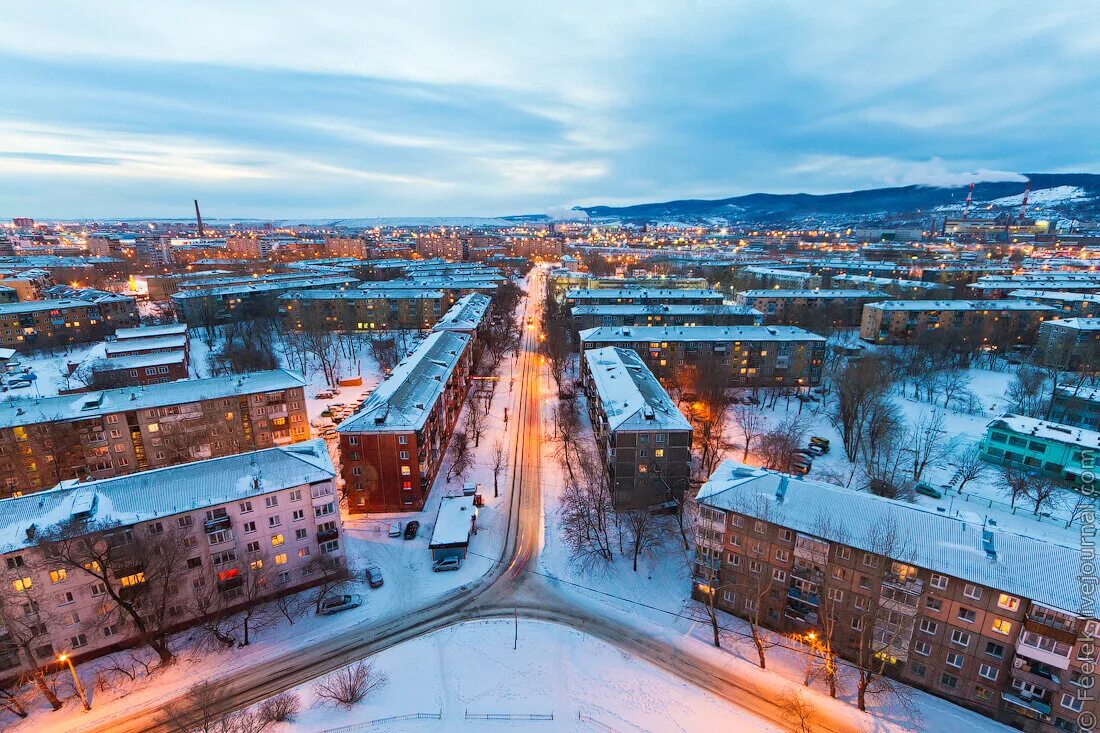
27	411
1080	324
604	334
811	293
137	361
667	293
631	396
169	329
163	492
466	314
362	294
453	521
318	282
925	538
961	305
404	399
663	309
127	346
1055	432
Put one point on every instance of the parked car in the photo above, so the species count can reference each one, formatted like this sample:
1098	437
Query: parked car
823	442
337	604
928	490
395	529
411	529
800	469
325	395
447	563
806	452
374	576
470	489
817	450
18	384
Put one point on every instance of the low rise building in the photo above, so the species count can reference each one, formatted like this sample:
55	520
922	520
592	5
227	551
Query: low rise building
755	356
959	609
810	308
995	323
644	439
209	306
455	521
470	315
756	276
1034	445
640	296
106	433
1077	304
362	310
1077	406
392	448
139	370
658	314
182	538
74	316
895	287
1069	344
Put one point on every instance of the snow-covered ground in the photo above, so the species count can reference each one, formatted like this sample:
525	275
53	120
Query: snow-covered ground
473	668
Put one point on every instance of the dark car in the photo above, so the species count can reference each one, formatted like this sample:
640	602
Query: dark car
411	529
374	576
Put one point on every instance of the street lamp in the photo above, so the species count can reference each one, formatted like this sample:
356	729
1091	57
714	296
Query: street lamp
65	658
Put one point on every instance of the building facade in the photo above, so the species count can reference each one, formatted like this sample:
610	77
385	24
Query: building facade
992	322
1070	344
808	308
81	317
362	310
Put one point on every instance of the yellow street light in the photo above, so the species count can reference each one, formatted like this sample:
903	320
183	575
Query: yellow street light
66	659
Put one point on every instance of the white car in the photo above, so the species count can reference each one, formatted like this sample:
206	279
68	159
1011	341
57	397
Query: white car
395	529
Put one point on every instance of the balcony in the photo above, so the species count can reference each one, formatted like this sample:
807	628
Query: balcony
1043	656
813	600
1026	705
1038	680
229	584
324	535
219	523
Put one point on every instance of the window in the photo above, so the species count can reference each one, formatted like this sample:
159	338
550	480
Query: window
939	582
296	495
249	527
780	576
782	555
324	510
954	659
967	615
857	624
257	564
222	535
280	559
64	599
276	540
301	534
275	521
185	522
129	581
78	641
786	535
844	553
949	681
869	560
835	594
401	440
303	552
934	604
59	575
983	693
271	501
1072	702
1007	602
284	577
759	528
1001	626
923	648
972	591
109	631
927	626
995	650
245	507
960	637
21	584
862	603
98	589
864	582
737	520
194	563
988	671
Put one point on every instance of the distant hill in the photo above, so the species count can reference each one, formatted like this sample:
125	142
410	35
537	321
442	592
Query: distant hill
1062	196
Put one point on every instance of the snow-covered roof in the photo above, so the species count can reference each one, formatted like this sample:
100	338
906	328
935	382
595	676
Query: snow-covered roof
466	314
28	411
36	306
403	400
664	309
631	397
363	294
221	282
1052	431
168	329
1079	324
630	334
642	293
960	305
138	361
777	272
318	282
453	521
128	346
162	492
1088	394
1058	295
811	293
1035	568
871	280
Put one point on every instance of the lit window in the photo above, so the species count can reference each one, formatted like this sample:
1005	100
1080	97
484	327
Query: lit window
21	584
131	580
153	427
256	564
276	540
1007	602
1001	626
58	576
280	559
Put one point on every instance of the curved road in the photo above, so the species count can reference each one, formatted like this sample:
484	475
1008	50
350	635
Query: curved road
503	591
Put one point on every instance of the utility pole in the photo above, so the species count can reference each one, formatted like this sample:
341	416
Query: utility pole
515	640
198	217
76	680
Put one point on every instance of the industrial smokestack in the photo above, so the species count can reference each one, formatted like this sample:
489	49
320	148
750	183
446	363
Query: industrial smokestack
198	217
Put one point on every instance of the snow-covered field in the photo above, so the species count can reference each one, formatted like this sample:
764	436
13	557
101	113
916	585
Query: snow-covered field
473	668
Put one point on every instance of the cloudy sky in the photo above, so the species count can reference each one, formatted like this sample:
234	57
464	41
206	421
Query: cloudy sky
282	109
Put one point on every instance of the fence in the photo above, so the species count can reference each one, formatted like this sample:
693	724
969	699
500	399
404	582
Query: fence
595	724
390	719
509	716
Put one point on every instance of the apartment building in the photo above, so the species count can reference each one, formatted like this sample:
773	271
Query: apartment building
773	277
469	315
756	356
657	314
454	287
596	282
810	307
955	608
1079	305
204	306
77	316
895	287
138	370
392	448
993	322
109	432
1069	343
999	286
643	296
362	310
1060	451
1076	406
271	515
645	440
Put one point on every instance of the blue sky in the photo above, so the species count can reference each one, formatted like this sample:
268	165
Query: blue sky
290	109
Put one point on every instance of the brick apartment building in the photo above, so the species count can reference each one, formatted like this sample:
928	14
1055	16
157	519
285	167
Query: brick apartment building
989	321
218	304
1077	305
962	611
756	356
1069	343
809	307
1076	406
81	316
363	310
895	287
645	440
271	515
468	315
392	448
637	296
656	314
110	432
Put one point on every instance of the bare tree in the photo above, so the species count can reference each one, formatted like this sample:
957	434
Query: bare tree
1042	492
207	708
860	385
475	419
499	462
798	710
926	441
138	567
587	515
23	616
14	698
1016	483
1026	391
282	708
971	466
1076	506
351	684
646	532
750	421
332	578
461	459
777	446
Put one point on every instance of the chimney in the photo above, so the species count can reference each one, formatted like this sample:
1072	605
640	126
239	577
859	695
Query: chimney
781	490
31	530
